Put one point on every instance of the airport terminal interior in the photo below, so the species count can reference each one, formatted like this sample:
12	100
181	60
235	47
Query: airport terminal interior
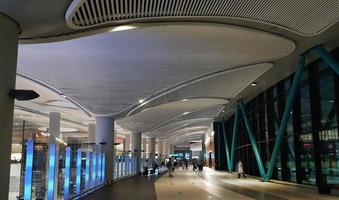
169	99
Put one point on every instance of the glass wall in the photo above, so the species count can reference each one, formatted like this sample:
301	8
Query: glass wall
310	148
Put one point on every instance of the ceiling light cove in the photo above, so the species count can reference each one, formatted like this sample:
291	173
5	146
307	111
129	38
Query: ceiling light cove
122	28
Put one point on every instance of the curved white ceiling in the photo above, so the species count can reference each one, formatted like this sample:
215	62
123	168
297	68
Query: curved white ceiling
306	15
144	120
108	73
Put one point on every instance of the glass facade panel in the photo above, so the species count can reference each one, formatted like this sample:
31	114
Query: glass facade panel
309	152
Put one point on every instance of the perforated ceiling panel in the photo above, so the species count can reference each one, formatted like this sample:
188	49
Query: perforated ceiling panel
303	16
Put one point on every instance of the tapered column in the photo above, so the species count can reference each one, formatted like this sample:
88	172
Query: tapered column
8	58
160	150
91	133
151	149
104	138
165	149
54	131
144	142
136	148
127	144
169	149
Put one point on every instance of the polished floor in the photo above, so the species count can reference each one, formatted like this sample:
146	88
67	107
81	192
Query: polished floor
133	188
211	184
206	185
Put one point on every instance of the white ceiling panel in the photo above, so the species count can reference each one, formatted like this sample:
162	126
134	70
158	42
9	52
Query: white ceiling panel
108	73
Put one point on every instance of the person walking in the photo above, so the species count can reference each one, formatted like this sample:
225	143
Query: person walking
169	166
240	169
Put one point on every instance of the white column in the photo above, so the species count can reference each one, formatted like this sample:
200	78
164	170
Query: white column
151	151
144	148
160	151
136	148
165	149
8	58
54	127
91	133
104	135
169	148
54	131
127	144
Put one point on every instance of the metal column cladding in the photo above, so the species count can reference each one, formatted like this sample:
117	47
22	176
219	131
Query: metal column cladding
94	162
78	175
28	170
88	159
51	172
67	172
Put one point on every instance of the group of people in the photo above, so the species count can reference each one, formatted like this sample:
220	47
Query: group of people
197	165
172	163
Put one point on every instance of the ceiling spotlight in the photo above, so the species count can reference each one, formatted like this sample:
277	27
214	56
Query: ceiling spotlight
223	111
185	113
254	83
141	100
63	95
122	28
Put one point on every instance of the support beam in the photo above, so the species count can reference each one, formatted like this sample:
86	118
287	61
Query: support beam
104	138
226	145
151	150
252	139
234	137
282	129
327	57
8	58
136	149
54	131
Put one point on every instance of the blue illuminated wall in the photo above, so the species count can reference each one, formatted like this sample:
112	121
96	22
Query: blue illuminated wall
78	175
88	158
67	172
94	162
28	170
51	172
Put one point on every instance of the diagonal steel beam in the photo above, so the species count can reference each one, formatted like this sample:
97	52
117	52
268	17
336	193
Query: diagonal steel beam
282	129
327	57
252	139
226	146
234	137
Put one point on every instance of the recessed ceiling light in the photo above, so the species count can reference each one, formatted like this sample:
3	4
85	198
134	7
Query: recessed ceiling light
185	113
223	111
254	83
141	100
122	28
63	95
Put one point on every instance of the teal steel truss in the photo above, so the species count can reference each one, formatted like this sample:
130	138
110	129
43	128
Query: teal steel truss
331	61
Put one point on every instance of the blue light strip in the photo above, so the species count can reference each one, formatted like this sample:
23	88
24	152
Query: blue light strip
93	169
28	170
51	172
88	159
78	176
99	168
103	167
67	172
